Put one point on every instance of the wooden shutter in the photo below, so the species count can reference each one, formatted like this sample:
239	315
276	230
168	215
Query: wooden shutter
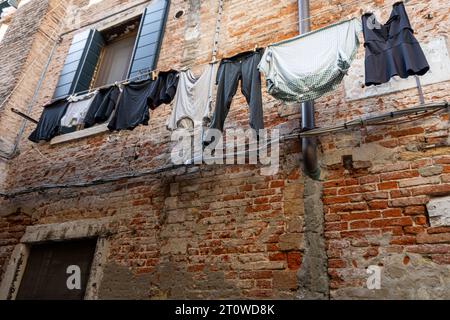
45	275
150	35
81	60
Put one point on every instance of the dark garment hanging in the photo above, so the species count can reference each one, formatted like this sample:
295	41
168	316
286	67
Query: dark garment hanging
132	109
102	106
137	97
50	122
165	88
391	49
243	67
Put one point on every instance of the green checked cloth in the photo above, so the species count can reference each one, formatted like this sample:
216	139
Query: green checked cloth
306	67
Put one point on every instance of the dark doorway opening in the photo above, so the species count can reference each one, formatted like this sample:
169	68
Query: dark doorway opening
57	270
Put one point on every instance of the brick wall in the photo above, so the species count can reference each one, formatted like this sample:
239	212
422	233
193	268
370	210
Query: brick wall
224	231
375	213
227	231
23	59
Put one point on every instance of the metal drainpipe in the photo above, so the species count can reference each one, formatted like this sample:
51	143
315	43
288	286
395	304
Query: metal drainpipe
309	145
12	153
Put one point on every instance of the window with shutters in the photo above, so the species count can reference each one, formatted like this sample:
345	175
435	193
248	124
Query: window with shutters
83	68
101	57
115	56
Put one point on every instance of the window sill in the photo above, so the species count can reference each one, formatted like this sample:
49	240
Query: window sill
80	134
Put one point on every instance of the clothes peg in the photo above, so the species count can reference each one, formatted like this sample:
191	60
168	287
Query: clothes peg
154	75
256	47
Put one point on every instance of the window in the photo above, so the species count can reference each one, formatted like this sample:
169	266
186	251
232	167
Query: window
101	57
115	61
57	271
86	64
116	54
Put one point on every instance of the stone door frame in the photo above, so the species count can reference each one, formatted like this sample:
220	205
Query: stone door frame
74	230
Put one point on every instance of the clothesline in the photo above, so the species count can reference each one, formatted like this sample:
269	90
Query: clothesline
282	74
215	61
347	17
320	13
144	74
193	65
296	23
316	132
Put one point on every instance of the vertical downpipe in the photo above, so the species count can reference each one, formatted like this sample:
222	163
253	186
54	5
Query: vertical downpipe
309	145
312	276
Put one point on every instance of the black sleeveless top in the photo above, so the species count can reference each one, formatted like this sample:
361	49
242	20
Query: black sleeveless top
391	49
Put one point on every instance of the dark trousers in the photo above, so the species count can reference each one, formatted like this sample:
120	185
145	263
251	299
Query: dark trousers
243	67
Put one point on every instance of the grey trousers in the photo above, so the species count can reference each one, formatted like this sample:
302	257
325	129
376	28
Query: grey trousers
243	67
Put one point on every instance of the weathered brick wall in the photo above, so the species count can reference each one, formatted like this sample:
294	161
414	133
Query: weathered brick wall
12	229
375	213
14	50
25	51
221	231
227	231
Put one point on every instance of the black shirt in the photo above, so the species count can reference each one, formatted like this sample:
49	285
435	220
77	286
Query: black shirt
102	106
50	122
138	96
166	87
132	109
391	49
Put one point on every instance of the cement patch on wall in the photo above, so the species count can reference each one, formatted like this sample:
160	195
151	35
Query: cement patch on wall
404	275
3	171
420	279
439	212
170	280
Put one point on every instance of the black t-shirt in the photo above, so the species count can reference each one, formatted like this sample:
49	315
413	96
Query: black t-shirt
132	109
138	96
50	122
102	106
166	87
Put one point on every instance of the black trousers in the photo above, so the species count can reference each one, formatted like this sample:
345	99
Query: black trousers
243	67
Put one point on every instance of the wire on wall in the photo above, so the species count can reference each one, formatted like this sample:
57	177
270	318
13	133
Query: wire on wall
382	119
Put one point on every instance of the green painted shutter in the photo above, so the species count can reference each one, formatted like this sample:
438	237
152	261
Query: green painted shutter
81	60
150	35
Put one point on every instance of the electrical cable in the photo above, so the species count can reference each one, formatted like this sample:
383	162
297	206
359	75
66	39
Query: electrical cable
369	121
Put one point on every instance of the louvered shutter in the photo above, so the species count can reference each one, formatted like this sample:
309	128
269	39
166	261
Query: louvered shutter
149	38
81	60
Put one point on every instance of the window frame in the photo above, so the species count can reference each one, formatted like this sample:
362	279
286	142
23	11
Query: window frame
74	230
103	53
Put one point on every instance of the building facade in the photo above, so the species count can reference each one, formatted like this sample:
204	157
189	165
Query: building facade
379	208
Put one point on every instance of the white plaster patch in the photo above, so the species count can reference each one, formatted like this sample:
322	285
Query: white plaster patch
439	211
437	54
92	2
3	171
3	28
23	2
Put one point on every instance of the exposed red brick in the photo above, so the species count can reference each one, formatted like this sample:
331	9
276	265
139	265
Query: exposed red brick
399	175
387	185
